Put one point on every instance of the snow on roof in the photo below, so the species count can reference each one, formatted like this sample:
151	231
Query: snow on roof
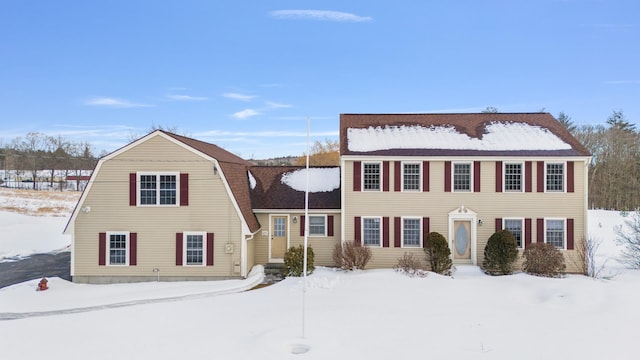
252	180
320	179
499	136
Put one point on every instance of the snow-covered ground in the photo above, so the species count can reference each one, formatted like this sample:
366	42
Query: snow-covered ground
375	314
32	221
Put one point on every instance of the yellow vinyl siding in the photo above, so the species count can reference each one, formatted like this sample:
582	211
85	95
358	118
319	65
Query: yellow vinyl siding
322	246
210	209
436	205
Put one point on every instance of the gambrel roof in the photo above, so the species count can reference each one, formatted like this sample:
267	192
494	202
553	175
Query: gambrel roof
473	134
234	169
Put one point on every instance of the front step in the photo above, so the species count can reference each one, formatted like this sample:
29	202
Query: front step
273	272
273	269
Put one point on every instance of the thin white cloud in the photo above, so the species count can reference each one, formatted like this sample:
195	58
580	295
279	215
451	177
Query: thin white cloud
622	82
246	113
321	15
275	105
114	102
253	134
177	97
238	96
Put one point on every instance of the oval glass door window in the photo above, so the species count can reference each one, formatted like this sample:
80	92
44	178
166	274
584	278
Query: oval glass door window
462	239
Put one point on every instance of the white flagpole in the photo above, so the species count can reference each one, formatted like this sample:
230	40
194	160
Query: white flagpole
306	230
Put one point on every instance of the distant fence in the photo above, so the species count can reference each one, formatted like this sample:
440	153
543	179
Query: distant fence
24	180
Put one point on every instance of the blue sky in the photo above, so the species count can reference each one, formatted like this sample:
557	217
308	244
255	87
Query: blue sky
246	74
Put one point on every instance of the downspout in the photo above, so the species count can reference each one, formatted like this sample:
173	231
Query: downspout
343	209
586	199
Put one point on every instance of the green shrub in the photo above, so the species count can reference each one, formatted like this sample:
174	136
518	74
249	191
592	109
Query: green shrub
410	266
294	261
544	260
351	256
500	253
438	253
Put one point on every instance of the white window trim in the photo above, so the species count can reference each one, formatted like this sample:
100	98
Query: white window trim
108	247
420	175
564	227
522	240
362	231
204	248
307	225
381	167
157	174
564	177
522	177
471	176
402	245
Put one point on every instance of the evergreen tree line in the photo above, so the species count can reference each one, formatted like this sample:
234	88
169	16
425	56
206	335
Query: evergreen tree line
36	153
614	172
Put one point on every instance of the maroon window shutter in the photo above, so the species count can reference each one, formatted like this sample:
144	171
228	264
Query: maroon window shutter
527	176
476	176
425	176
102	249
527	232
447	176
385	231
356	230
184	189
385	176
397	232
540	230
397	175
209	249
133	249
302	219
179	249
540	176
498	176
357	175
570	177
570	239
329	225
425	230
132	189
498	224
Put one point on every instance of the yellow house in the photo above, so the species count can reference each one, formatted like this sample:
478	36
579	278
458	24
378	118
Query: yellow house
182	209
464	176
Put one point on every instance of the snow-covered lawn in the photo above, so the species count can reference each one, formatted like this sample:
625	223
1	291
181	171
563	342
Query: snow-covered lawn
32	221
375	314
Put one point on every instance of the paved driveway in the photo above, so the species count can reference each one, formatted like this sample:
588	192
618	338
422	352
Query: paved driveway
35	267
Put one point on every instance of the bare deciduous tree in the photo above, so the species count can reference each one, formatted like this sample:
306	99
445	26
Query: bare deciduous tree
322	154
630	239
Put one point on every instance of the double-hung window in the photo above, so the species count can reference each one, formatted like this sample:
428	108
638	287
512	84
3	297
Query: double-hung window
118	248
462	177
317	225
514	226
371	231
411	232
554	177
513	175
411	176
195	248
555	232
371	177
158	189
